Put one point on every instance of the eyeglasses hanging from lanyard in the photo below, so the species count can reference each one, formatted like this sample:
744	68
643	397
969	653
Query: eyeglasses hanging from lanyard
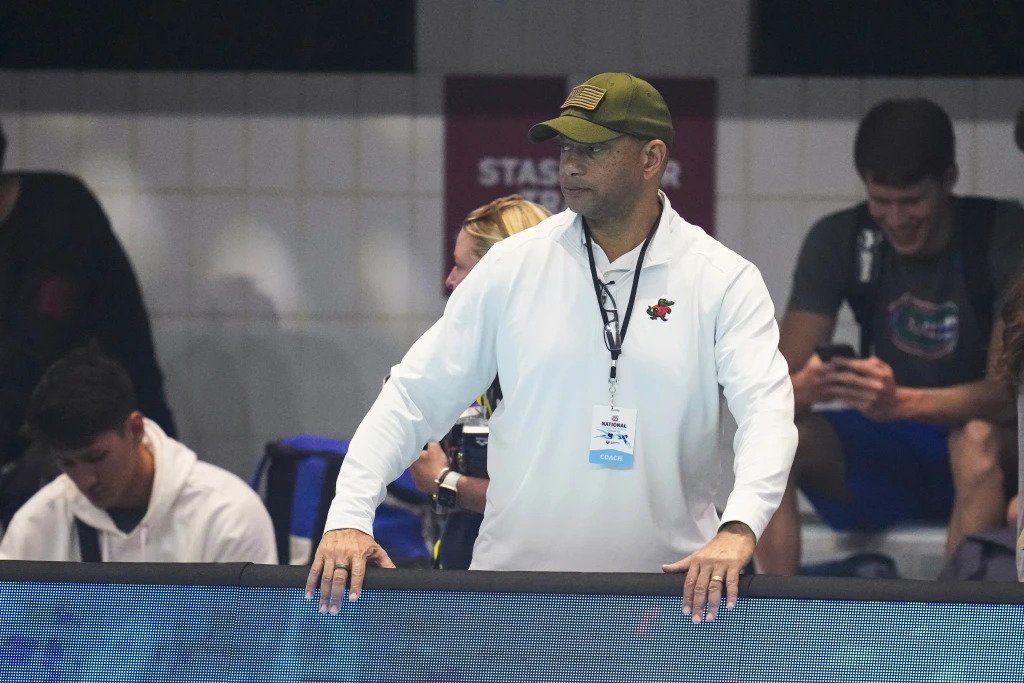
614	336
610	314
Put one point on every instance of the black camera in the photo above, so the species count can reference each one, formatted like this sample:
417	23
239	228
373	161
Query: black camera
466	447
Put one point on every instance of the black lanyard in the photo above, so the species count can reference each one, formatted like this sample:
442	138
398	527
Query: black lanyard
616	351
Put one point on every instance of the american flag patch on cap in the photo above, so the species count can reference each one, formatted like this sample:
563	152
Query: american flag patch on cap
584	97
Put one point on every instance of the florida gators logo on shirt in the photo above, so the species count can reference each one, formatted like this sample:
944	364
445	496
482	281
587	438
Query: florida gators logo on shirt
660	309
924	329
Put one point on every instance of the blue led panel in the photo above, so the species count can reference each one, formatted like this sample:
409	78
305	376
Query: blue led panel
101	632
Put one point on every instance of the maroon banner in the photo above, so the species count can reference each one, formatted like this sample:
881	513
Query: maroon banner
689	180
487	153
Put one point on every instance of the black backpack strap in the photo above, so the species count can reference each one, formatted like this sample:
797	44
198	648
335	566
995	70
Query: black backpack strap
977	220
494	393
866	256
282	478
281	474
88	542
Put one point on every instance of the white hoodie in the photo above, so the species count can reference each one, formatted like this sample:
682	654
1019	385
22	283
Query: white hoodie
197	513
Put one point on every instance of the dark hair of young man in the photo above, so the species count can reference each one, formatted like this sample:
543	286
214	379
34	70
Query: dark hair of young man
902	142
80	397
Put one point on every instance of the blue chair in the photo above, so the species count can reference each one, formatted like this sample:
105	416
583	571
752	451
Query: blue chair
301	472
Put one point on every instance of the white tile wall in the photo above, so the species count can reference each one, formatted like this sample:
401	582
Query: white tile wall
428	267
1000	164
175	338
732	140
386	105
326	245
428	136
266	252
163	157
50	141
775	155
273	153
219	152
286	227
217	220
384	256
828	145
106	151
330	152
731	221
774	233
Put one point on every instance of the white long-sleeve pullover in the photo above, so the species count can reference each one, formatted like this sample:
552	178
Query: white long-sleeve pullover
528	313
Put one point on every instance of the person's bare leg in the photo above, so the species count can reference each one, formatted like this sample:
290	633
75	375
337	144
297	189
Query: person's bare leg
778	549
982	456
818	467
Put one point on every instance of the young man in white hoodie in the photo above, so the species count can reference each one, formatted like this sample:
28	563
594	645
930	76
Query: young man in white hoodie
128	492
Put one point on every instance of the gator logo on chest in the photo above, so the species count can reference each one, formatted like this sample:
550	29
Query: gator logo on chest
660	310
923	329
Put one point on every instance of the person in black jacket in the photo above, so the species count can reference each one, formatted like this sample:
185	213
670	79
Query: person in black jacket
65	281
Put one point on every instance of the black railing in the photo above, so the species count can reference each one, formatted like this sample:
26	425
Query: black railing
276	576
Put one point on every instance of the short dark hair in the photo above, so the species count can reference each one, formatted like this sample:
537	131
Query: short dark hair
902	142
3	145
80	397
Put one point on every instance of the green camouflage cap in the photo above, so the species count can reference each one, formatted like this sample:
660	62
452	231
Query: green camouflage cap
607	106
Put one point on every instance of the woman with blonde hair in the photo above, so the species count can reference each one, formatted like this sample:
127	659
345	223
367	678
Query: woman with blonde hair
483	228
486	226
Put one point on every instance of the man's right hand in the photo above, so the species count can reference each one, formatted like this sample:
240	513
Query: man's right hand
341	558
813	383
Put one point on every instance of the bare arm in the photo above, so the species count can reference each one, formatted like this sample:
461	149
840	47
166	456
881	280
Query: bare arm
989	398
985	399
472	491
799	333
869	386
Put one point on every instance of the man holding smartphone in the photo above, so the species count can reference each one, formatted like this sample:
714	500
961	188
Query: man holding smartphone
928	433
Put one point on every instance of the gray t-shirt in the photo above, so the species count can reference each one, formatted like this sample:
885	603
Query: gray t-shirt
925	325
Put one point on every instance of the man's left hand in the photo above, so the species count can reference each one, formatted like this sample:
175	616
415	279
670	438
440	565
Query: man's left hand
718	564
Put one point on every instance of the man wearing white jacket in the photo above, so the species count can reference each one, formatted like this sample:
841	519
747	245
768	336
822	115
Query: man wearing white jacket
602	455
128	492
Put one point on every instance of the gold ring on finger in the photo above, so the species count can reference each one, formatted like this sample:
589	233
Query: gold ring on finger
717	578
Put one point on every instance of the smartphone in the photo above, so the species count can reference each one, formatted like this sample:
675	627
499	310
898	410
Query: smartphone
829	351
